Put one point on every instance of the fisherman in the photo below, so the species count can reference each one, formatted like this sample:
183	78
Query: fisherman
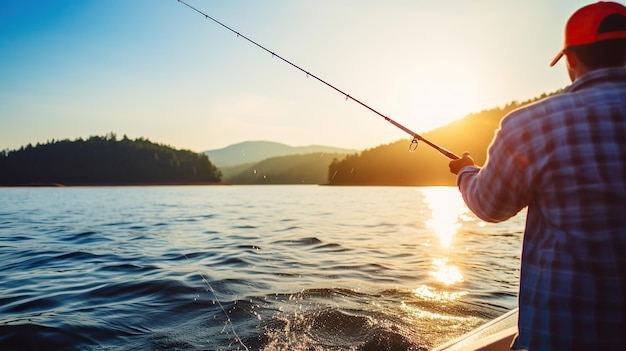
565	159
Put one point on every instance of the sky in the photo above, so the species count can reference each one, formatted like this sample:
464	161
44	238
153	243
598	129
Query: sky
157	69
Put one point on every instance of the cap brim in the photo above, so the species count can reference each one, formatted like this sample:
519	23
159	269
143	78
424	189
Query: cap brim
557	58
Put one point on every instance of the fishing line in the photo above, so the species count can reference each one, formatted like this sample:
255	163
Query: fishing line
416	137
205	280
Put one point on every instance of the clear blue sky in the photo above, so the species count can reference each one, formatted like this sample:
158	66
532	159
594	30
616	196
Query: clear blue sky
156	69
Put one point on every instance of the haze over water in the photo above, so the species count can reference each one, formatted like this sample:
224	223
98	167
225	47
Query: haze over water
256	267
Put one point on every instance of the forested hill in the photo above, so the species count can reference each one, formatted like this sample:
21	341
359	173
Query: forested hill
309	168
393	164
104	160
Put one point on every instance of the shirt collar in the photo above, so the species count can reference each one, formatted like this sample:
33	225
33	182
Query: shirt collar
603	74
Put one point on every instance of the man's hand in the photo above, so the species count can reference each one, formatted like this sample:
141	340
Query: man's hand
457	165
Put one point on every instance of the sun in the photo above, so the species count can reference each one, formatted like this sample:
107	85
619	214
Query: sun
438	99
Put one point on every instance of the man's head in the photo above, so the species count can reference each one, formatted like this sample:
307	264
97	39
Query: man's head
595	37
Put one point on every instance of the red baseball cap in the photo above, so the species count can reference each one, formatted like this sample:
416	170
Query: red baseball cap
592	23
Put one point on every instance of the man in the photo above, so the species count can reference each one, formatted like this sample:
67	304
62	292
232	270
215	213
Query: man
565	159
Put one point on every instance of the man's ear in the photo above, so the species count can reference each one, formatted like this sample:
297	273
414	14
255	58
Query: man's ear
571	59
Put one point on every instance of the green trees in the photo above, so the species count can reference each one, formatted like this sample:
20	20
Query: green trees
104	160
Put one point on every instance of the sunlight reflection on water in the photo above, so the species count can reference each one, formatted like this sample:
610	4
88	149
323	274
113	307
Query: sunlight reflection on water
444	273
428	293
447	207
447	211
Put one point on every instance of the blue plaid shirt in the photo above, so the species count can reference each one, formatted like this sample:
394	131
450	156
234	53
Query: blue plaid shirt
565	159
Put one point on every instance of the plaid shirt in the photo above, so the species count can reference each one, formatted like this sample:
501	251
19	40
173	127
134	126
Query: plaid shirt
565	159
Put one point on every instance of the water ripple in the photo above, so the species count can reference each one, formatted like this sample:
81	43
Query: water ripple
215	268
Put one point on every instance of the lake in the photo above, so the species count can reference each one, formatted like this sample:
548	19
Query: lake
248	268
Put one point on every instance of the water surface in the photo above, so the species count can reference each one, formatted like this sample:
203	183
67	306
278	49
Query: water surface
248	267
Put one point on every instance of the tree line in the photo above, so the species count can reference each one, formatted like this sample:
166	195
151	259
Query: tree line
104	160
395	164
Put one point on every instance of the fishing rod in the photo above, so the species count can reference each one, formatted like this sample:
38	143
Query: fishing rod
416	137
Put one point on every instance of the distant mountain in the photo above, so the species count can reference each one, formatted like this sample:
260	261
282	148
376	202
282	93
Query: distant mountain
309	168
254	151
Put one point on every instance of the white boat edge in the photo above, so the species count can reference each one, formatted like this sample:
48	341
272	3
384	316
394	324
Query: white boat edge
495	335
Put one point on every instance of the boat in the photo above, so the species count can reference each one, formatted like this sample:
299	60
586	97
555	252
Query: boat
495	335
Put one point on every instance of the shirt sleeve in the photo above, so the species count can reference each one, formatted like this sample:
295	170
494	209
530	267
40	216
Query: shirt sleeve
500	189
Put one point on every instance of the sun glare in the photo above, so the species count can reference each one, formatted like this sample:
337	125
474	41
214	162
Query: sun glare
440	99
447	211
428	293
444	273
447	207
